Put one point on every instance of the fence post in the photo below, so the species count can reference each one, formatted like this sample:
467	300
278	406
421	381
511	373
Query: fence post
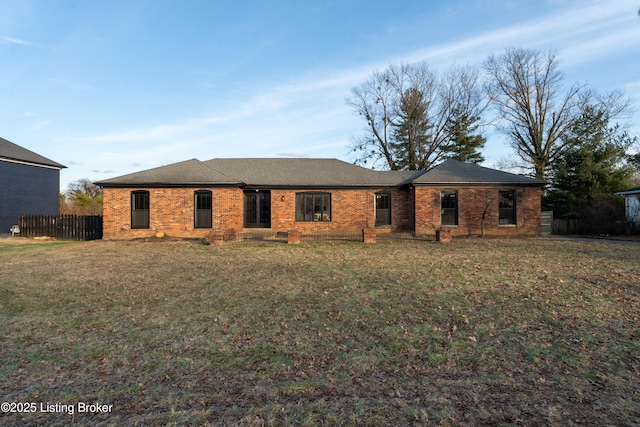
293	237
546	223
216	237
369	235
443	235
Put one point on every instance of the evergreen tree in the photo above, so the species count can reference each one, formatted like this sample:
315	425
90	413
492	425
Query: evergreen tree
596	166
412	144
464	145
409	111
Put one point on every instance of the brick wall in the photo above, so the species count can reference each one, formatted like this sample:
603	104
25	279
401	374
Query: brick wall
472	203
402	210
171	211
351	210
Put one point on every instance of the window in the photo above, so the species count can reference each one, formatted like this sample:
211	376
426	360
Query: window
140	209
449	207
313	207
202	216
383	209
507	207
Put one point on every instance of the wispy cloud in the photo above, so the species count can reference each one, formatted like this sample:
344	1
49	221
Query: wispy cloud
583	33
14	40
70	84
20	42
311	108
293	154
633	85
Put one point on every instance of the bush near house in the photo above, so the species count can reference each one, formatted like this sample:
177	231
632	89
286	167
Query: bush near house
81	198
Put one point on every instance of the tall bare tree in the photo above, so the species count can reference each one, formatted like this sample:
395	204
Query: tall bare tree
409	110
536	109
526	86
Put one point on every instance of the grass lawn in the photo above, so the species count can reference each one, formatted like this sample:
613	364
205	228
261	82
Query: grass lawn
475	332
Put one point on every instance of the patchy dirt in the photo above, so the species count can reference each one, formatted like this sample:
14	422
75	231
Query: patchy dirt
7	239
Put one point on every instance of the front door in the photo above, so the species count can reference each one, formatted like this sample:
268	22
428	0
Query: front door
257	209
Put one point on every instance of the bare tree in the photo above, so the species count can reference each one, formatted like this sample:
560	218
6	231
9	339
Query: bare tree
536	109
82	197
526	86
409	110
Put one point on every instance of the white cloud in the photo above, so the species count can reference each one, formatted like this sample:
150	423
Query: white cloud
632	85
311	109
293	154
20	42
583	33
14	40
70	84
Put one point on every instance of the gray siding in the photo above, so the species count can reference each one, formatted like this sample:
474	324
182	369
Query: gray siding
26	189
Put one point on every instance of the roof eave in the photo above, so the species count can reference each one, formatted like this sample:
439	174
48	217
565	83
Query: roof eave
168	185
51	165
322	186
480	184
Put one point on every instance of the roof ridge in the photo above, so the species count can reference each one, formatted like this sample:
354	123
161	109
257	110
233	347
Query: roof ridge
185	172
204	163
317	173
457	172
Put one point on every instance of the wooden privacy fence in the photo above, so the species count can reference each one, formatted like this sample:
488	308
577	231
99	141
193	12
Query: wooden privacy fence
567	226
62	227
551	225
546	220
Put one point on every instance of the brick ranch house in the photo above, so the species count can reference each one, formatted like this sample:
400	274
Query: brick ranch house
317	196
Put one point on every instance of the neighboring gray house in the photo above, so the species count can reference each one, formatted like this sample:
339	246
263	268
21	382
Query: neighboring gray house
632	205
29	184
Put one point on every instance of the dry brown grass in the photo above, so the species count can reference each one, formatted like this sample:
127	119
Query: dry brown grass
476	332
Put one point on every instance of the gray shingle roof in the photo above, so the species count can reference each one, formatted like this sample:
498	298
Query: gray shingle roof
286	172
11	151
315	173
399	177
456	173
188	172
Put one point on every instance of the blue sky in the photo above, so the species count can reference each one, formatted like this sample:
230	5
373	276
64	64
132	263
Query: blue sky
112	87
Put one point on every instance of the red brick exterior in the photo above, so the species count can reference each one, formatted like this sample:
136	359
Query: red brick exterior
351	211
472	203
171	211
